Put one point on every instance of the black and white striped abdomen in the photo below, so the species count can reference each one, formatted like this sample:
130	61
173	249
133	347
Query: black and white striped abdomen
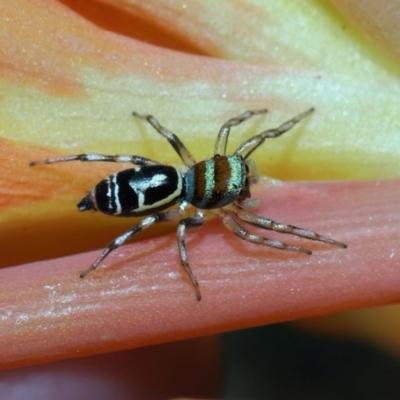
135	191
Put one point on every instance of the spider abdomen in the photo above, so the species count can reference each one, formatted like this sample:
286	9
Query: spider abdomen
215	182
135	191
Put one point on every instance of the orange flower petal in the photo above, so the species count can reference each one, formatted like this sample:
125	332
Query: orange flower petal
143	297
70	87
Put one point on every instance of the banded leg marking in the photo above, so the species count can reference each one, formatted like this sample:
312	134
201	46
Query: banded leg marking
144	224
266	223
122	158
173	139
246	148
232	225
222	138
187	223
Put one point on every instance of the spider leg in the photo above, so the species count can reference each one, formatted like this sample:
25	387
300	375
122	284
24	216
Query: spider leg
246	148
144	224
222	138
231	224
253	174
191	222
173	139
266	223
137	160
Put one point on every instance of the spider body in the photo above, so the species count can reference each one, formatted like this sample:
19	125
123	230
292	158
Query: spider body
134	192
218	184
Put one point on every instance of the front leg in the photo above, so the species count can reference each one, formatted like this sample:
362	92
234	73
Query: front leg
246	148
222	138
